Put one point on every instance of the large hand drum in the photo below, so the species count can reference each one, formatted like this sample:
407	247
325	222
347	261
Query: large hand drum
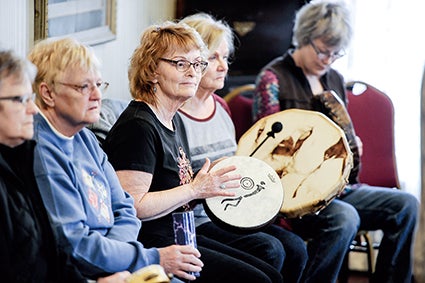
308	151
257	201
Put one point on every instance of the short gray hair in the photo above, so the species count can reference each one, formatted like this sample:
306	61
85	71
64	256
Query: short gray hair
328	20
13	65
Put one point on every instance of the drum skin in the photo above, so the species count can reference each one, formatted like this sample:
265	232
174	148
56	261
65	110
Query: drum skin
257	201
310	154
150	274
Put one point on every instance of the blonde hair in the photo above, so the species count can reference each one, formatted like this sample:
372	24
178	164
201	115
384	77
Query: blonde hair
212	31
54	56
156	41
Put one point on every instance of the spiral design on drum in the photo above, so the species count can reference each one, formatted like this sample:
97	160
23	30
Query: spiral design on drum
247	183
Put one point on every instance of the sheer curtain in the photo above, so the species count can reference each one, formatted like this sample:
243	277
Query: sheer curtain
388	51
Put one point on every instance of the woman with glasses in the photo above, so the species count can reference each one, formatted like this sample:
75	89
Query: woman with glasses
149	150
321	33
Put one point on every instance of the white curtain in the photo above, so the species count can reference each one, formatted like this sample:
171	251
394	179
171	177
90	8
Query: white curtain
388	52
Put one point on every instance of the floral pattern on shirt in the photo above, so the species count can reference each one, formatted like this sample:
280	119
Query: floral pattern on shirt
97	196
185	169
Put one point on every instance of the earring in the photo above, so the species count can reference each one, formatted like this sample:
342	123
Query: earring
154	89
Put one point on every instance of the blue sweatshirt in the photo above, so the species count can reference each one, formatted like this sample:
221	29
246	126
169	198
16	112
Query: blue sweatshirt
86	202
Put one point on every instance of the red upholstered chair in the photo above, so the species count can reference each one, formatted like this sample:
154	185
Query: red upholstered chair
372	114
240	102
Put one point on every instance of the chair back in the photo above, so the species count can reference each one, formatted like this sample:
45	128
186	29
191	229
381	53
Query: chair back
109	112
240	102
372	114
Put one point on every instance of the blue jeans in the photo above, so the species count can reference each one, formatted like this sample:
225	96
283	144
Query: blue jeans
329	235
395	212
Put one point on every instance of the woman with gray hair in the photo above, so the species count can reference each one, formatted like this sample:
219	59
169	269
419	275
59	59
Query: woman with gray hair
297	79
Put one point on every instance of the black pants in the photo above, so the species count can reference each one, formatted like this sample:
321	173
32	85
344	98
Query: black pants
225	264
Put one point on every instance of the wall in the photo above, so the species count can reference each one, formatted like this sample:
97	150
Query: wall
420	242
15	19
133	16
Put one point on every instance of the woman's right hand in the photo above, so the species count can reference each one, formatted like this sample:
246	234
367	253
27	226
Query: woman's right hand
211	183
179	260
118	277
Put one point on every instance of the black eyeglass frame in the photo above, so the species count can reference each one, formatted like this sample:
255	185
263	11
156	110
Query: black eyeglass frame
186	65
327	55
24	99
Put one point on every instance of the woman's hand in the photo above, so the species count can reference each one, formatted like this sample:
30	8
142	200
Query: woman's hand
211	183
119	277
359	145
179	260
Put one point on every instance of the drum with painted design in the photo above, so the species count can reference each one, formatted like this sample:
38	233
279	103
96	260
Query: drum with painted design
257	201
308	151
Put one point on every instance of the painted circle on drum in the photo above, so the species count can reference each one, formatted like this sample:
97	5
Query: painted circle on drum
247	183
256	202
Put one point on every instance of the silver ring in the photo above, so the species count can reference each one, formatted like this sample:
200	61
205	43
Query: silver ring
222	186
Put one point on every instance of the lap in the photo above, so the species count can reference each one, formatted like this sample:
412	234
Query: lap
377	205
220	259
237	240
223	263
338	214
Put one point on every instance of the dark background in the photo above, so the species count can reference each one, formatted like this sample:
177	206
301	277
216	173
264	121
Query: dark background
271	34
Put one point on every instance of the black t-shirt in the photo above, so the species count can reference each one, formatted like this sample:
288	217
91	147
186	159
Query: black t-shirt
138	141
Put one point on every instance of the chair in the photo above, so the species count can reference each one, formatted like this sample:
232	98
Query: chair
110	111
240	101
372	114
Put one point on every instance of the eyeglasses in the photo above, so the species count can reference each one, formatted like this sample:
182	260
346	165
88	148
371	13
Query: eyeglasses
327	55
24	99
87	89
184	65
